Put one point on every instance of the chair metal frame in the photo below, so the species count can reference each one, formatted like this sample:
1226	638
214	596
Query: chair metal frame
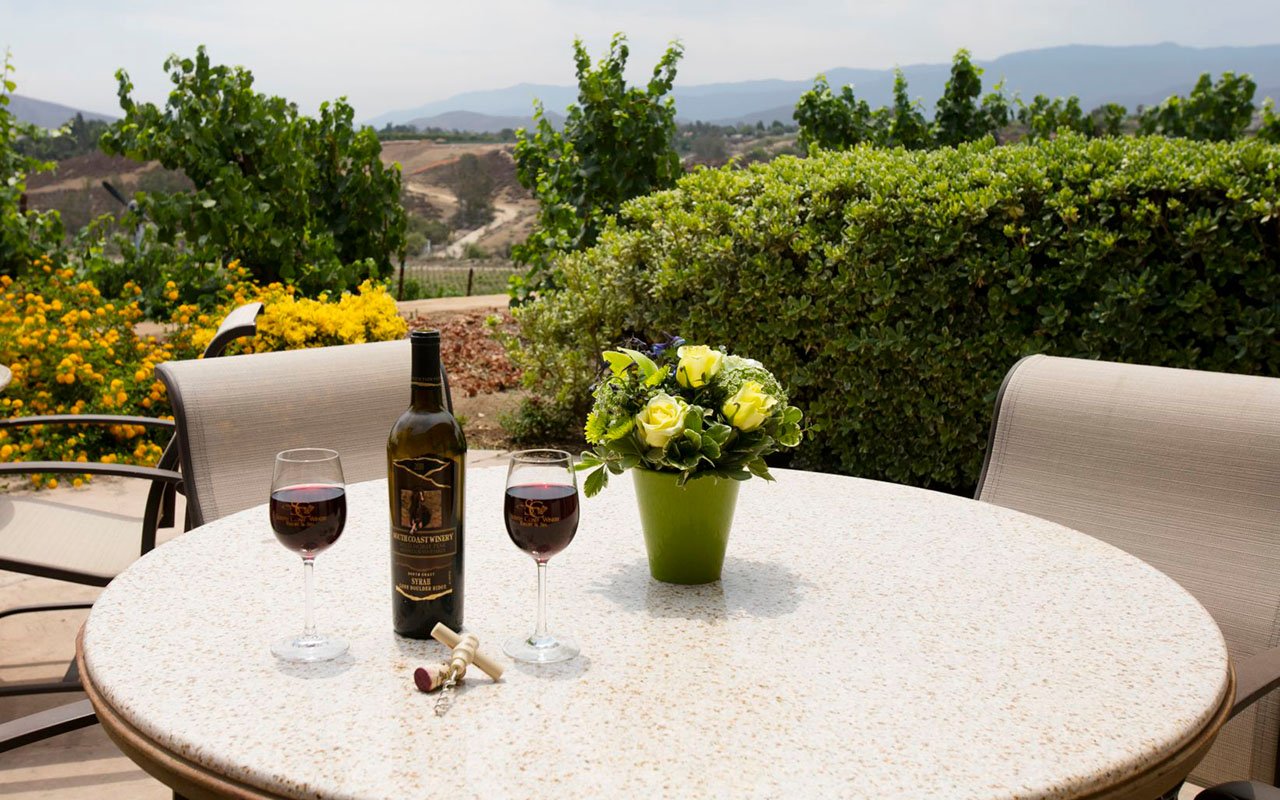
158	513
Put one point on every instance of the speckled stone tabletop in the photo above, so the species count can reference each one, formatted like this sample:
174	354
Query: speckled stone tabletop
867	640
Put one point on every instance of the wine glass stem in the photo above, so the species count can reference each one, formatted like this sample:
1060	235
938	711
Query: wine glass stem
308	570
540	632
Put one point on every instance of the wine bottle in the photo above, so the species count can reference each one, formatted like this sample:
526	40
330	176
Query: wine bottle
426	479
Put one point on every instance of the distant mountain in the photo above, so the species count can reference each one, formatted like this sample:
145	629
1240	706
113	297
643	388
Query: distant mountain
480	123
514	101
46	114
1132	75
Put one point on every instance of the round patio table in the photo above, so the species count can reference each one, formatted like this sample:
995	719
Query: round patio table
866	640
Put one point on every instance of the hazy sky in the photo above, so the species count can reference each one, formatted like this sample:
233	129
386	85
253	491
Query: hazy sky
402	53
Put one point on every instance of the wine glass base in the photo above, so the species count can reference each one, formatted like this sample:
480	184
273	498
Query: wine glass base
309	649
548	650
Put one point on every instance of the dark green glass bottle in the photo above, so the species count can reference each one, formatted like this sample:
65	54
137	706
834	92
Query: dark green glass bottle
426	480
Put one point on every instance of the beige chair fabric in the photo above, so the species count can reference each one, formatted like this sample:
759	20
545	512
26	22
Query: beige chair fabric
1178	467
235	413
96	543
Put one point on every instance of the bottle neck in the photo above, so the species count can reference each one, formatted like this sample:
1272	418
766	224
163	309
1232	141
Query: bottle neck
428	387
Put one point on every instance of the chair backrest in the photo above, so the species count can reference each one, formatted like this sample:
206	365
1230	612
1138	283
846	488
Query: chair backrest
1179	468
235	413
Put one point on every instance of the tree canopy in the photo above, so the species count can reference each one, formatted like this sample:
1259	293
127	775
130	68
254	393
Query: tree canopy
617	143
294	198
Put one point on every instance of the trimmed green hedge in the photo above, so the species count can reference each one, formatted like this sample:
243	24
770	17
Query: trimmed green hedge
892	290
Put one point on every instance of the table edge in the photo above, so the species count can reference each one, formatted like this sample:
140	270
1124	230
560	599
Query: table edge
196	782
186	778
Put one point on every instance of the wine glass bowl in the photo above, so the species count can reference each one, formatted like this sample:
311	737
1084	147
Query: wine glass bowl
308	511
540	509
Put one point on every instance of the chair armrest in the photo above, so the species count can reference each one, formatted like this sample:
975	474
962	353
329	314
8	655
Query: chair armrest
85	419
44	724
240	322
1255	676
90	468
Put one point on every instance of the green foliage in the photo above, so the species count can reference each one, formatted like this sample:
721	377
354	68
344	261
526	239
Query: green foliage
392	133
959	116
300	199
838	121
890	290
835	121
907	127
1045	118
1108	119
473	187
617	144
1215	112
24	235
1270	129
76	138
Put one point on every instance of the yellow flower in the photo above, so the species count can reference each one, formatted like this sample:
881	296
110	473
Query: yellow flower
661	419
698	365
749	407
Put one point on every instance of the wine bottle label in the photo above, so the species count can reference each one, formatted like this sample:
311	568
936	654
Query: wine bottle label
424	526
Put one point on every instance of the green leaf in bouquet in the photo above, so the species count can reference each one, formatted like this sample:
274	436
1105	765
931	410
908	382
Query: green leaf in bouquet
693	419
710	449
620	430
595	482
719	433
587	461
657	377
758	468
644	363
625	446
629	462
791	416
618	362
789	436
595	427
655	455
694	438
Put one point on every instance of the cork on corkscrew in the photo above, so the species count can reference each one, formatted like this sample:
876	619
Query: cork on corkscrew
465	652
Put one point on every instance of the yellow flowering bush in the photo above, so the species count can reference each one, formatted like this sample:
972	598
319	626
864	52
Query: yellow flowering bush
73	351
289	322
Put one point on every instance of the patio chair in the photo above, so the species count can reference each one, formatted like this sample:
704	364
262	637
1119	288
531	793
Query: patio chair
234	414
1180	468
66	543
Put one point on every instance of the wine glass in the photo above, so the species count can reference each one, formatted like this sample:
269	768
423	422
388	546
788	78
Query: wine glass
308	512
541	512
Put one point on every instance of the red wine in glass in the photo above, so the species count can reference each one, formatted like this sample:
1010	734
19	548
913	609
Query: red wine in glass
541	511
308	518
542	518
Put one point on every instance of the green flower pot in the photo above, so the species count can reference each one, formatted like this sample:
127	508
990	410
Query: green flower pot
686	528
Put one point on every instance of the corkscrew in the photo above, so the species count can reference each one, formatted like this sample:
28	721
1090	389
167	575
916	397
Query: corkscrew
464	652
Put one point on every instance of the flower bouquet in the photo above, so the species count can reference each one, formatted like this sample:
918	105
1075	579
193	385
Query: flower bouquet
693	422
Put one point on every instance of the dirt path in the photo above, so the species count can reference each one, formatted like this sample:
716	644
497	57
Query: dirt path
502	214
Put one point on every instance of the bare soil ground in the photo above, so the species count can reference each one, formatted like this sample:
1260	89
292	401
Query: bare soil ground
426	167
483	381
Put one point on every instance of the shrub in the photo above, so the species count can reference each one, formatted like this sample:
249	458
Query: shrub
892	290
300	199
24	235
289	322
74	351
